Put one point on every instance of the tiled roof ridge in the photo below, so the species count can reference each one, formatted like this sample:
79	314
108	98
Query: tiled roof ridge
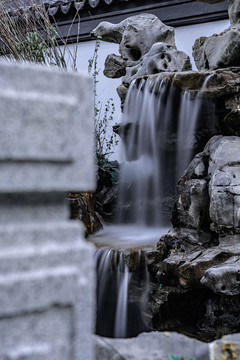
54	5
64	5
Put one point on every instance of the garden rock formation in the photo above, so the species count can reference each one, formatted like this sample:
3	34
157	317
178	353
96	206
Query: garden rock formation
161	57
197	263
220	50
146	46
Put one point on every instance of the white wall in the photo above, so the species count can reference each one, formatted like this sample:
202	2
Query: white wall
106	88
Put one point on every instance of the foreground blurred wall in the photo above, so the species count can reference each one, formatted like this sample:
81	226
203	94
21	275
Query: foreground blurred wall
46	268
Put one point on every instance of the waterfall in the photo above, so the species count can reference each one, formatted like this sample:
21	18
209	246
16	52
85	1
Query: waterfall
190	108
123	280
159	134
159	123
123	283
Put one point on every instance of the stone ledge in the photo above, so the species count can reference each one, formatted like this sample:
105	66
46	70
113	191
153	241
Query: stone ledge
159	346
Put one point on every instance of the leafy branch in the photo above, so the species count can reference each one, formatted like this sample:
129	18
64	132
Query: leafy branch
105	138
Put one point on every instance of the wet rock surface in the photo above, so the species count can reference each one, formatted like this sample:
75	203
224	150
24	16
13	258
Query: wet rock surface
146	46
197	264
99	207
221	86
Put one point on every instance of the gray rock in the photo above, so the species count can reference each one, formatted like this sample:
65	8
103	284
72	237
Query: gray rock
217	51
161	57
156	346
209	191
232	120
233	12
146	45
227	346
198	260
115	66
220	50
151	346
224	186
135	35
192	202
224	278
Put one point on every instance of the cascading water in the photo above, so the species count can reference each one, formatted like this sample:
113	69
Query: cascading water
159	125
122	285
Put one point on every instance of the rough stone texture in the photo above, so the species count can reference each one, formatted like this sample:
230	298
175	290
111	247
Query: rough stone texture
233	12
197	262
161	57
156	346
46	268
115	66
151	346
227	347
224	186
146	46
222	86
217	51
135	35
220	50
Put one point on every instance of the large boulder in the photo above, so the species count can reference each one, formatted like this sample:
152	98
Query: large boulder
135	35
198	261
146	46
224	185
220	50
165	346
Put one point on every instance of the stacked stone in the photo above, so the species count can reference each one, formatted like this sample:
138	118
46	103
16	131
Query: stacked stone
46	268
220	50
146	46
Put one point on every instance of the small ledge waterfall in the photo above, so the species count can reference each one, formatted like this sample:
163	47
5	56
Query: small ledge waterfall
159	130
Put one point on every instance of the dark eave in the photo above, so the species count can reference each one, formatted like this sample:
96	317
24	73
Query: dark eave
92	12
171	12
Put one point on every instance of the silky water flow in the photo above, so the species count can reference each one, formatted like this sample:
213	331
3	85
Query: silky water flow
158	130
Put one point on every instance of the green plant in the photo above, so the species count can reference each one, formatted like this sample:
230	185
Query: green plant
174	357
105	138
